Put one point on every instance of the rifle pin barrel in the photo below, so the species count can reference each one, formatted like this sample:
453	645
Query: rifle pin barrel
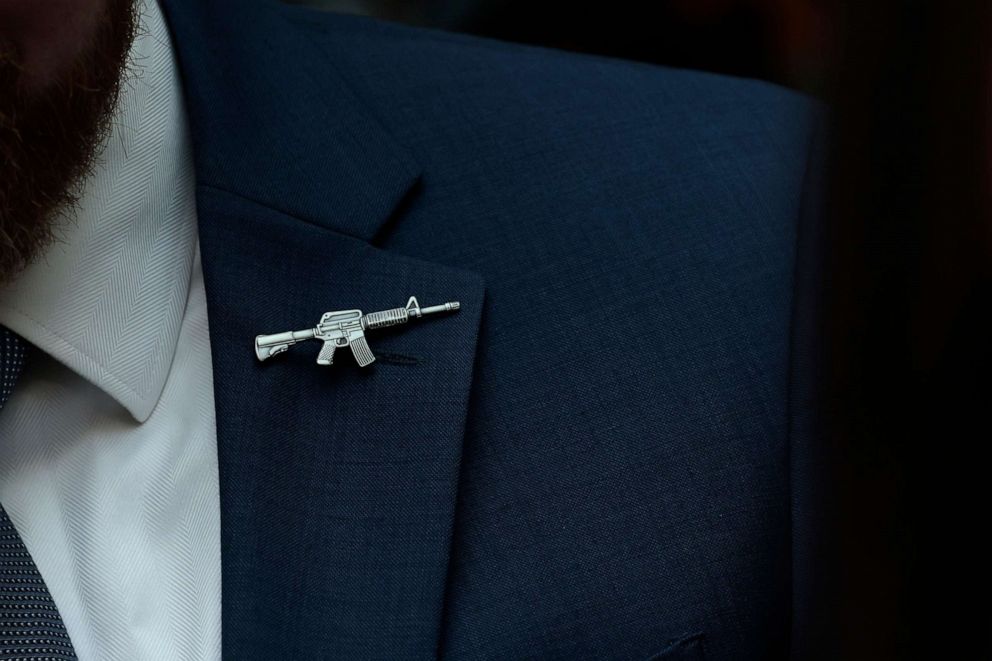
446	307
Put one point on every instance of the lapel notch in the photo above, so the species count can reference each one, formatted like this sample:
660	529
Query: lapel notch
275	123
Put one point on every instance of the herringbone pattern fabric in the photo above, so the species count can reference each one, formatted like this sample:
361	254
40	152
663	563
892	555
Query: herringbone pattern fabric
30	625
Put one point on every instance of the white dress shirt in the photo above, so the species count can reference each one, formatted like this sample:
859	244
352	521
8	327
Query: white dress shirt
108	457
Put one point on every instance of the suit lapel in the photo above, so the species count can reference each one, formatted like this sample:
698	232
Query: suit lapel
274	123
337	484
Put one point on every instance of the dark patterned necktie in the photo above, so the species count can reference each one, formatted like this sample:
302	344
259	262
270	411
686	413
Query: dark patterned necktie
30	625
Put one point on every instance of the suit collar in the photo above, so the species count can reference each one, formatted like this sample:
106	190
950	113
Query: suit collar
273	121
337	484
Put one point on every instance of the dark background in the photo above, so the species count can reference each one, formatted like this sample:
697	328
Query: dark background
784	41
906	306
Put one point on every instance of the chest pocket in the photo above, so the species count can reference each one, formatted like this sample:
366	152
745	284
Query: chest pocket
686	648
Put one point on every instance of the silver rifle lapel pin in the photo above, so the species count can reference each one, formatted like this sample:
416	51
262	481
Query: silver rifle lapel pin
346	328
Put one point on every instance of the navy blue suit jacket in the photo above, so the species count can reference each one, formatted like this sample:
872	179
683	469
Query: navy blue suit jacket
601	456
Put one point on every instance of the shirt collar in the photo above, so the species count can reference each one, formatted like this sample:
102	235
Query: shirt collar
108	299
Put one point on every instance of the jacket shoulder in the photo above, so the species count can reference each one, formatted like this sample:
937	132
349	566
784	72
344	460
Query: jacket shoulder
399	60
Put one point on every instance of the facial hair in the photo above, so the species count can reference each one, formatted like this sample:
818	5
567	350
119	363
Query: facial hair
50	137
